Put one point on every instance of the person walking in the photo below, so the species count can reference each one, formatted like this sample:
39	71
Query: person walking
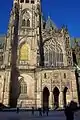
40	112
32	110
17	109
69	113
47	111
43	110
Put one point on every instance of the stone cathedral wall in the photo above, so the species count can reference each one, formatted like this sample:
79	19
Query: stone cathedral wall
37	81
60	79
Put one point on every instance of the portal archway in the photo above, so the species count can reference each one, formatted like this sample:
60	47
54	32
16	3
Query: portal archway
56	97
45	97
64	96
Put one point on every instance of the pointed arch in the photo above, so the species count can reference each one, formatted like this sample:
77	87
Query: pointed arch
64	96
23	87
26	16
56	97
30	83
45	97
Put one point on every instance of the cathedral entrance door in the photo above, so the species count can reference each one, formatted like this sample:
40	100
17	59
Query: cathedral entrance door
56	97
45	97
64	96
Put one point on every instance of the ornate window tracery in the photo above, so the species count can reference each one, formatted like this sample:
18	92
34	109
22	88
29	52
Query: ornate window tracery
23	87
28	23
24	53
26	19
53	55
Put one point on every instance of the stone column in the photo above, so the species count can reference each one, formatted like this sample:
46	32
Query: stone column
51	100
39	100
61	99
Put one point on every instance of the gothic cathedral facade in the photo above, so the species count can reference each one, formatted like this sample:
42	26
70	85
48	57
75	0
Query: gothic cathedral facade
52	85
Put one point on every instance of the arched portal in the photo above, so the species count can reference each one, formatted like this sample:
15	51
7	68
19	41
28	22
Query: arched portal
56	97
64	96
45	97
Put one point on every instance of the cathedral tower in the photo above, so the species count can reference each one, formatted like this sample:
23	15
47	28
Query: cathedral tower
22	39
28	34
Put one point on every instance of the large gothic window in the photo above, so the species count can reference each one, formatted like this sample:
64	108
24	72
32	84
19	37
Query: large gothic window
53	55
24	52
26	18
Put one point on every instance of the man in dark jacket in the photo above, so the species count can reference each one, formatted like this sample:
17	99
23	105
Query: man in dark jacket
69	113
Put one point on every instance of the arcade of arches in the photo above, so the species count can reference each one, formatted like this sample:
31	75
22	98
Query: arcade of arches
55	97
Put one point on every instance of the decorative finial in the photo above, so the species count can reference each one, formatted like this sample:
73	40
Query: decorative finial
16	1
48	16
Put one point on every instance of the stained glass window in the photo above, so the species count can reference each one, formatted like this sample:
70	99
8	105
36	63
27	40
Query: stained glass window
24	52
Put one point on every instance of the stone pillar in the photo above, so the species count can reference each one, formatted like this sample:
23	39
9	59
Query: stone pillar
61	99
39	99
51	100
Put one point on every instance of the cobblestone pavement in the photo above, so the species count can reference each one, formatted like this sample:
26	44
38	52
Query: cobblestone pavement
53	115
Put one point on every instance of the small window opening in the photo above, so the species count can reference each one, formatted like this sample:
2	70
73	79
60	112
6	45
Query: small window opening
28	23
23	22
32	1
64	75
44	24
27	1
21	1
45	75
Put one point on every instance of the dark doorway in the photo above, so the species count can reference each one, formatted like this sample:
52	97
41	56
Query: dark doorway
56	97
64	96
45	97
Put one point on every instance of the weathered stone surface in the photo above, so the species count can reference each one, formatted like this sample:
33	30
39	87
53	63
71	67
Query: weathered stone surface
57	71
